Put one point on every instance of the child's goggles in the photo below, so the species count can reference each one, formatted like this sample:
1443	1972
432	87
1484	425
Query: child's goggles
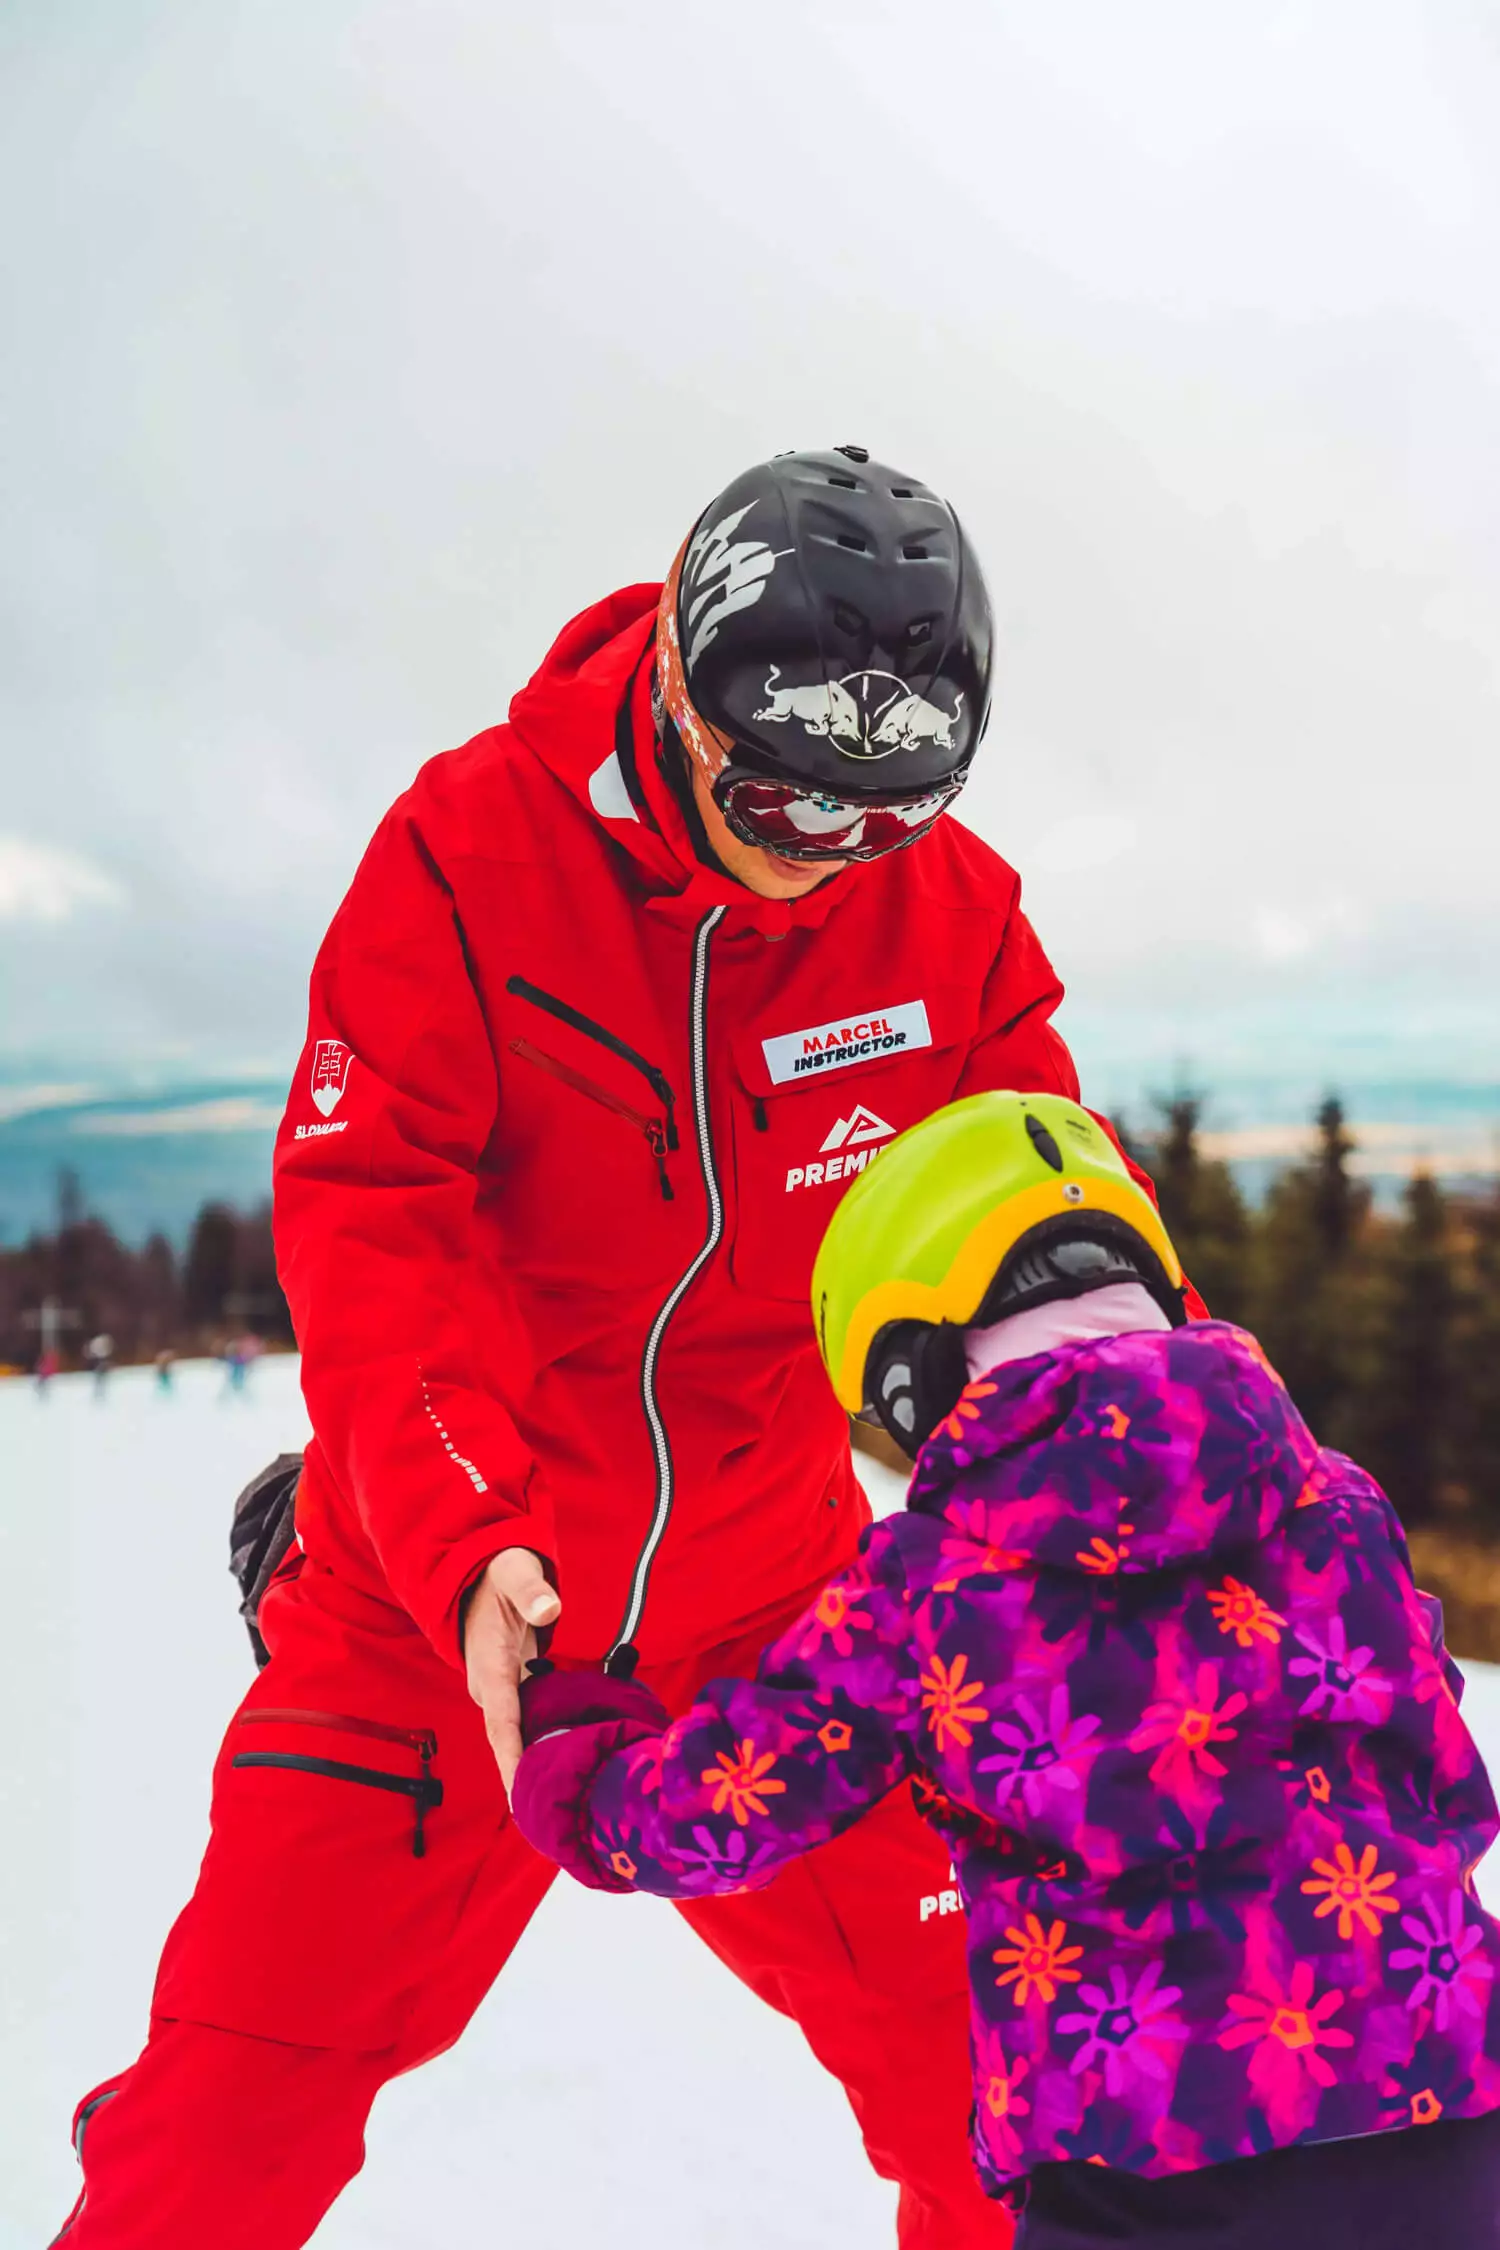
812	824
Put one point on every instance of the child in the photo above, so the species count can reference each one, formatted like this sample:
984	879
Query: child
1158	1670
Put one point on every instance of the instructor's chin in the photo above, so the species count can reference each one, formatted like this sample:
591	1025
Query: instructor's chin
774	877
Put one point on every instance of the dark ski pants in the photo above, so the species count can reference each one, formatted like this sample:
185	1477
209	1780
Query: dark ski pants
364	1886
1426	2187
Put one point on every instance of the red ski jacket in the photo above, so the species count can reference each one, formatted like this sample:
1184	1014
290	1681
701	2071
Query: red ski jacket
573	1113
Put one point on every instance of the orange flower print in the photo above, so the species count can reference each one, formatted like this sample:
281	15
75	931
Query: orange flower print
1290	2023
967	1409
1182	1728
834	1617
1102	1558
1000	2096
1426	2109
1037	1960
1319	1787
1119	1421
740	1782
836	1735
1355	1894
971	1558
623	1865
1239	1610
951	1700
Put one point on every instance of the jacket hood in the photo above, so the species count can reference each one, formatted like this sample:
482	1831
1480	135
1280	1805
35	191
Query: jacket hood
586	714
1123	1455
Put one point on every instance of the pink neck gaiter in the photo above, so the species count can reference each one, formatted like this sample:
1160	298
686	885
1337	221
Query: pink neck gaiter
1116	1311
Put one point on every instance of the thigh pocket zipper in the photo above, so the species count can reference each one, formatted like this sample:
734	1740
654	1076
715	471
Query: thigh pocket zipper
424	1789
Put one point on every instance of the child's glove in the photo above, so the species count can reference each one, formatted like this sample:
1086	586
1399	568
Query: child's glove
571	1722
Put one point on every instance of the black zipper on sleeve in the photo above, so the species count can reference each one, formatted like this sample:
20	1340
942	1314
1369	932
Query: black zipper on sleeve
656	1079
622	1656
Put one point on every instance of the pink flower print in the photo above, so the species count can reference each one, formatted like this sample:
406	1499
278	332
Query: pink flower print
1126	2029
970	1554
1003	2101
1449	1978
1344	1686
1290	2024
1430	1681
644	1760
1184	1726
711	1858
1037	1756
834	1618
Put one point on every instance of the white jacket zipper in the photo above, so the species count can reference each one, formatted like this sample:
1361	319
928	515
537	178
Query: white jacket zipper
621	1658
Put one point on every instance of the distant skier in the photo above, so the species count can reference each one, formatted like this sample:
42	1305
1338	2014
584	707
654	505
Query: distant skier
621	995
48	1363
164	1363
99	1357
1158	1668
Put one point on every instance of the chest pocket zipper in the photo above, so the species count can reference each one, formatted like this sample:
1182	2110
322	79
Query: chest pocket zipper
424	1789
657	1080
654	1128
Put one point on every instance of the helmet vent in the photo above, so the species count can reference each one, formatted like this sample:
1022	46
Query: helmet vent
1042	1141
849	620
849	484
914	554
851	539
919	631
901	492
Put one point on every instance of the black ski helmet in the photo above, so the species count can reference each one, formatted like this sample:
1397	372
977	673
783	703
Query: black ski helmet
828	614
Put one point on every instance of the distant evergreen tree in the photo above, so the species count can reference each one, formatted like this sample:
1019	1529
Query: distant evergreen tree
1414	1376
258	1297
157	1292
1202	1208
1338	1206
1477	1368
210	1273
1308	1281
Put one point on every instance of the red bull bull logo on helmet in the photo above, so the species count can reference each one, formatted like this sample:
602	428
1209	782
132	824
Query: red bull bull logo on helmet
867	714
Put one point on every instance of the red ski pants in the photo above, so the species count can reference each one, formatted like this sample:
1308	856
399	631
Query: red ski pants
346	1925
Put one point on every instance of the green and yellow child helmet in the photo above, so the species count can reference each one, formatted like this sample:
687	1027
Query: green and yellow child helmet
998	1202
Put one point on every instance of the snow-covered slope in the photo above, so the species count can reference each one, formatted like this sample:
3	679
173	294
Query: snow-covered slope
617	2085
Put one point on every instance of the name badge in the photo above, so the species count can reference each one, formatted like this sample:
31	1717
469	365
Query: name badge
847	1040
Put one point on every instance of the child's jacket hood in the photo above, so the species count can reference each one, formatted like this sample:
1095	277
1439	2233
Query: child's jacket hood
1141	1452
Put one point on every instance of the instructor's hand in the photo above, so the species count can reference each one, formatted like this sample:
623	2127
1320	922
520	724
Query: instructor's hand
508	1605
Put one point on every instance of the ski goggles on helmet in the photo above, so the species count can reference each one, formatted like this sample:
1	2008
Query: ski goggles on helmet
796	823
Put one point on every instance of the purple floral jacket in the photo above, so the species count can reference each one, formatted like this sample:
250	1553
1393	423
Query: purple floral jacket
1158	1669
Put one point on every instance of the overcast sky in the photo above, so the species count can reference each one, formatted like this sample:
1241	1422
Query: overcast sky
348	349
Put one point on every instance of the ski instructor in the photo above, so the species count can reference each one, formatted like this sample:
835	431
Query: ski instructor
622	991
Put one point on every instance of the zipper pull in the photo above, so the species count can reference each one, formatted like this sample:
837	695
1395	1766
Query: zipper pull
758	1114
425	1748
656	1140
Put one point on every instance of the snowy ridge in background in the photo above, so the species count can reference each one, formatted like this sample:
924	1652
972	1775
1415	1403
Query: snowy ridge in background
617	2084
151	1147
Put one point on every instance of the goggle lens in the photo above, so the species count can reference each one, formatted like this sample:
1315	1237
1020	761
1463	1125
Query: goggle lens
813	824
